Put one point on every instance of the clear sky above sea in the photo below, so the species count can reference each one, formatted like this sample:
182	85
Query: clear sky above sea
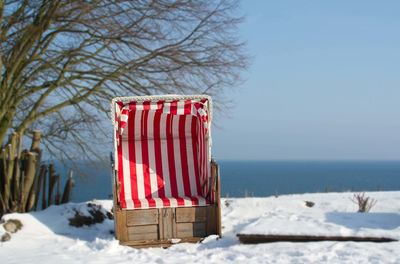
324	83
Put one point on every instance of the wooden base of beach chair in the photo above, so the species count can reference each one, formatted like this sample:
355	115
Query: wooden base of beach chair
166	226
161	243
163	227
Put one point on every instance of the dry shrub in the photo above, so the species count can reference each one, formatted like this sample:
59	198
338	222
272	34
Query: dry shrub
364	203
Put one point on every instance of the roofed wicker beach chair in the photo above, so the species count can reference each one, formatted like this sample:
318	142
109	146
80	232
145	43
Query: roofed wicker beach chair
165	185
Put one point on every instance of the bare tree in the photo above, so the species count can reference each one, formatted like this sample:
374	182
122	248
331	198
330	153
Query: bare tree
62	61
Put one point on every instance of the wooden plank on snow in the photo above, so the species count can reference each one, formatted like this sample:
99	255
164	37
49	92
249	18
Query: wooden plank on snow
257	238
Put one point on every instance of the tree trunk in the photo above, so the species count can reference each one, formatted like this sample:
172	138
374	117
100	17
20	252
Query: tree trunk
42	175
68	189
52	182
29	179
5	123
35	147
11	154
44	204
58	195
35	190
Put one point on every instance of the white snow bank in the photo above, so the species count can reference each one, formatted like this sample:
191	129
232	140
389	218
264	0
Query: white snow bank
332	215
46	236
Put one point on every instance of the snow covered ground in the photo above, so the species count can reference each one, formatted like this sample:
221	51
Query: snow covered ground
46	236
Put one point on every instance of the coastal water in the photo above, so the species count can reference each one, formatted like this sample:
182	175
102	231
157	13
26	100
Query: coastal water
266	178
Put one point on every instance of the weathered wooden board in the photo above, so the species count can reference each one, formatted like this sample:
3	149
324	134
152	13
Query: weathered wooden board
160	243
191	214
255	239
143	232
120	225
211	220
218	218
141	217
185	230
167	223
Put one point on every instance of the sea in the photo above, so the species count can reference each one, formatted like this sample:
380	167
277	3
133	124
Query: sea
241	178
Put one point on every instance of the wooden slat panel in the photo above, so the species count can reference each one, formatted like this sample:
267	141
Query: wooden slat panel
145	232
211	220
173	222
167	214
191	214
120	224
160	224
218	207
141	217
191	230
143	229
216	215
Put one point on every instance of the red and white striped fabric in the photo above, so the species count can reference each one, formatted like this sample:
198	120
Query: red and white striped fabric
162	150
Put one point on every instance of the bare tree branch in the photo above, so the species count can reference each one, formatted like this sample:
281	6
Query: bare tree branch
62	61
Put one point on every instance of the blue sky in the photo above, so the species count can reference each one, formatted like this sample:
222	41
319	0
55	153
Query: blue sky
324	83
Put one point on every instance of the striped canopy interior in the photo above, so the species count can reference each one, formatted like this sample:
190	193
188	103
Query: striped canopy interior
162	150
